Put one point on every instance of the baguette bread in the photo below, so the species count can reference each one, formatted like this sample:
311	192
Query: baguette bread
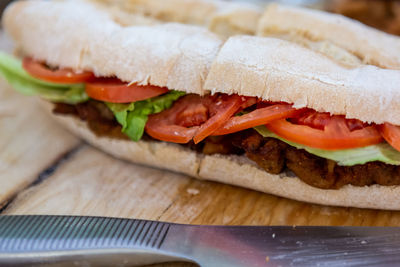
192	59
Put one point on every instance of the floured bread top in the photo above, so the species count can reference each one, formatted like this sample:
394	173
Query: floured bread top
173	55
310	68
80	36
350	42
58	32
224	18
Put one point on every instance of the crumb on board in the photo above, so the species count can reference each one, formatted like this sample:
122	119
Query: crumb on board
193	191
267	259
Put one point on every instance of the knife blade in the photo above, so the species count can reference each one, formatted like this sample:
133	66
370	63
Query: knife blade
103	241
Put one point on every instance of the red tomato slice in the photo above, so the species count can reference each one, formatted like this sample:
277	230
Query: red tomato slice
40	71
391	133
222	108
192	117
319	120
334	135
169	133
115	91
178	124
257	117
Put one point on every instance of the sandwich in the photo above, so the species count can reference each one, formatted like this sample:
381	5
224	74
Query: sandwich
303	104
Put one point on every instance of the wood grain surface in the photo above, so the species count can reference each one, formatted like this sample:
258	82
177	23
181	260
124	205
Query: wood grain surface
29	141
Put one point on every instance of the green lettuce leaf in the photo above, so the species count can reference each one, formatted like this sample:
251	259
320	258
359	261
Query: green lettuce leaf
133	116
346	157
11	69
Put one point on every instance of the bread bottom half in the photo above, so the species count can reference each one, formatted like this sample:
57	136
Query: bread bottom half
233	170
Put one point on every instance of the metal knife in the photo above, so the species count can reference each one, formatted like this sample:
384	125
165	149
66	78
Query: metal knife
99	241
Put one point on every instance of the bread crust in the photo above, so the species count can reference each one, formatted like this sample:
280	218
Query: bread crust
370	45
234	170
58	32
224	18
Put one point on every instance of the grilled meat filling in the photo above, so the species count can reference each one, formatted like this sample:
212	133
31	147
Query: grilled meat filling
272	155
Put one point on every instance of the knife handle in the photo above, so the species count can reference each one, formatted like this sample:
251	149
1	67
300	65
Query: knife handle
43	239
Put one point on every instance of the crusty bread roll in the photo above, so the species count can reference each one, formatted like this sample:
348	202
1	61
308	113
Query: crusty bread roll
234	170
194	60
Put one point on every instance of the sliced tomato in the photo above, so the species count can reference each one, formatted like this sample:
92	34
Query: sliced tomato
179	123
41	71
334	135
193	117
313	119
222	107
258	117
391	133
115	91
319	120
169	133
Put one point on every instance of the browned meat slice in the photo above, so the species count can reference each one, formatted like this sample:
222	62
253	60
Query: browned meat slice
99	118
270	155
312	170
274	156
369	173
